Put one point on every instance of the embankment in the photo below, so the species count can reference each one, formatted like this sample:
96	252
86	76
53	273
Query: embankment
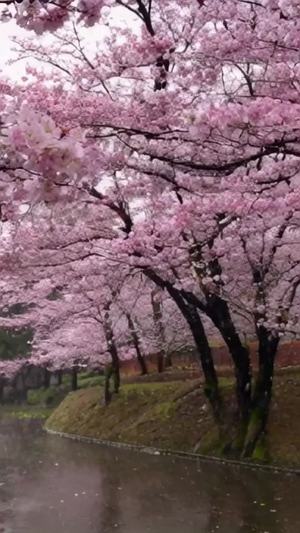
175	416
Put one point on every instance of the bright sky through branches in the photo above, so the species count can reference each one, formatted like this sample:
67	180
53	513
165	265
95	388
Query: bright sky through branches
8	30
11	30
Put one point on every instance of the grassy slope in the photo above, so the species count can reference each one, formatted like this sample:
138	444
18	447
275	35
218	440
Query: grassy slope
175	416
23	412
41	402
167	415
284	425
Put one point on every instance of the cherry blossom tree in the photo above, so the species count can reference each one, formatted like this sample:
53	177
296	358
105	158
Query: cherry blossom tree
183	132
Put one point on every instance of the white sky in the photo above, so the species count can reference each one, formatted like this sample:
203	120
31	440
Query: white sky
7	30
91	34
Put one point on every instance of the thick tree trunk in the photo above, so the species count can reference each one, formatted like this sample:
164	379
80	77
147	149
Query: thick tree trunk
267	349
74	379
205	360
218	311
136	344
192	317
220	315
159	328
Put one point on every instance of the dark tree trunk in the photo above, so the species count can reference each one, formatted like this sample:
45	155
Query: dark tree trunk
112	348
116	374
20	388
59	377
168	360
220	315
107	375
47	376
218	311
159	329
136	344
111	371
160	361
74	379
205	360
142	362
267	349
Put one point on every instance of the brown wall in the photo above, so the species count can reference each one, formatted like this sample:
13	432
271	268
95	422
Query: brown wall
288	355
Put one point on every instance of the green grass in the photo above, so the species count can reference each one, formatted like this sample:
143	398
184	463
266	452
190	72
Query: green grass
25	412
153	414
41	402
53	395
50	396
284	428
176	416
86	380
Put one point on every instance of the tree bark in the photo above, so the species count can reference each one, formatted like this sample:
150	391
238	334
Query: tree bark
159	328
218	311
262	395
112	348
116	374
220	315
74	380
136	344
107	375
205	359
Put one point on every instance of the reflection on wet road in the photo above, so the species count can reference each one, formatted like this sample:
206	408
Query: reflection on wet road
53	485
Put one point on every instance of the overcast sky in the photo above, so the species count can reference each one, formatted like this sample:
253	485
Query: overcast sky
91	34
7	30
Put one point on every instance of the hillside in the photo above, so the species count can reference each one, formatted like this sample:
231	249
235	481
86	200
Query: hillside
175	416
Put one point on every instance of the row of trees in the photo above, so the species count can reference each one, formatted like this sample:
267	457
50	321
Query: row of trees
95	323
166	155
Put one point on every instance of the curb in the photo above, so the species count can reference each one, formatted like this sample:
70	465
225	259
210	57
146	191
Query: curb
176	453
